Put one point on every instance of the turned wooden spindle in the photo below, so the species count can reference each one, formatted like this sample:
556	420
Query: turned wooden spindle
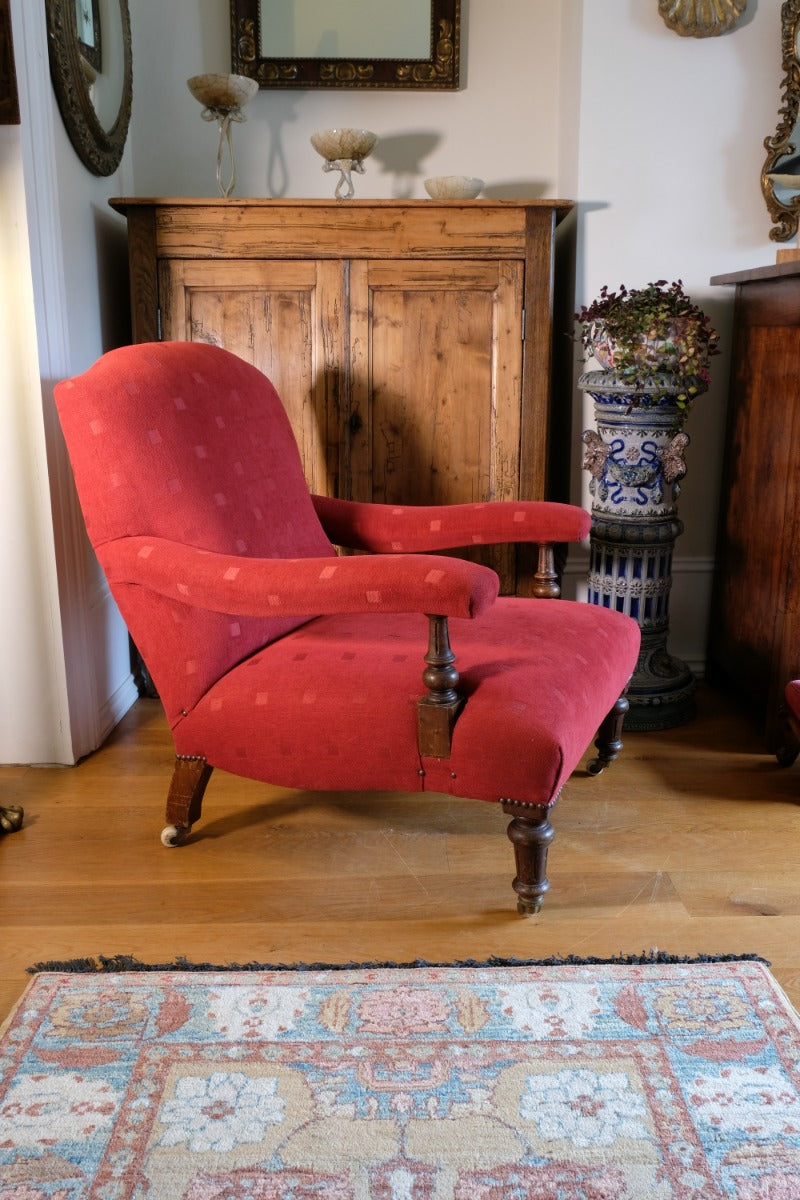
437	711
545	579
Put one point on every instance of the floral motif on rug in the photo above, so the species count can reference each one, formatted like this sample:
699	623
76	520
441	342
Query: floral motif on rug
590	1082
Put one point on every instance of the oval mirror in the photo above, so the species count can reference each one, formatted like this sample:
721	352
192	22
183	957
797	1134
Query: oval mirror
780	175
89	43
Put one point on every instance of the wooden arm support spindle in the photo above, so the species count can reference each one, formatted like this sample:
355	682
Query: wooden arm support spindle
545	579
437	712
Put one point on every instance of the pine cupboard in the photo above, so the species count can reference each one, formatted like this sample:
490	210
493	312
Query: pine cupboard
410	341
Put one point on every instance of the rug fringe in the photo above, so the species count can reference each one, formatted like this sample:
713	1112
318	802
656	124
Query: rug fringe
125	962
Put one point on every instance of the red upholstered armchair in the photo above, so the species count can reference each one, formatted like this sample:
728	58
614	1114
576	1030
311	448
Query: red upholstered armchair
789	724
278	659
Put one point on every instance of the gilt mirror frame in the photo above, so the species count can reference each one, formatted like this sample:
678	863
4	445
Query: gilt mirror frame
98	148
440	71
784	142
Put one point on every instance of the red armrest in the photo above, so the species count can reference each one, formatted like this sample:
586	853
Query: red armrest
226	583
399	529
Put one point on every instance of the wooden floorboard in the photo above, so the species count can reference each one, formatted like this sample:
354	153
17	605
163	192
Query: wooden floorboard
688	844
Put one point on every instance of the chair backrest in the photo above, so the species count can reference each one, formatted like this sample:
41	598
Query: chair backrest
186	441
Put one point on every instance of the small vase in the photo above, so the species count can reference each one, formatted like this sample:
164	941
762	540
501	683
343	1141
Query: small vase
635	458
344	150
223	97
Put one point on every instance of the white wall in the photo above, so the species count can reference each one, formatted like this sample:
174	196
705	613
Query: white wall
33	677
66	674
502	126
669	167
659	138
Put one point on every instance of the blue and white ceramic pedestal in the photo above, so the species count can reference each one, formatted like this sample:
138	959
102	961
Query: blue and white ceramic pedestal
636	461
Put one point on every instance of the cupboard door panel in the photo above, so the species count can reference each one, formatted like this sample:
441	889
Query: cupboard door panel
286	318
393	330
751	592
755	628
436	385
754	632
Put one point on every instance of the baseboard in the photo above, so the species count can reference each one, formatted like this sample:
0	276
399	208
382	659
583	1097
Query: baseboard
114	708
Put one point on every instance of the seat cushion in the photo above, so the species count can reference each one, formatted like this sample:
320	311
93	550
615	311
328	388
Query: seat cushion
333	705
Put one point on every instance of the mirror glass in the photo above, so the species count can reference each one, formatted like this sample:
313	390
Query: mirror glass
780	175
347	43
105	92
345	29
89	44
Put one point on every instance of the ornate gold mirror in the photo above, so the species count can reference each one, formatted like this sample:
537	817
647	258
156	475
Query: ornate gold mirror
780	175
89	43
329	43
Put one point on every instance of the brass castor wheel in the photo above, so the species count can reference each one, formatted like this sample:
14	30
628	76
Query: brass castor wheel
595	766
174	835
11	818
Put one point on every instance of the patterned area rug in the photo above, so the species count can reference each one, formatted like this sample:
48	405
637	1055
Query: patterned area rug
650	1080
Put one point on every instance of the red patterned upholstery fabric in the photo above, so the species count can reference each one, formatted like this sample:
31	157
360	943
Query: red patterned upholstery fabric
347	686
278	659
188	443
792	695
388	529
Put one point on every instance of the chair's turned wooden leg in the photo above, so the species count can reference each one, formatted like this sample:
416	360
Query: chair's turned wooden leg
190	777
531	833
609	738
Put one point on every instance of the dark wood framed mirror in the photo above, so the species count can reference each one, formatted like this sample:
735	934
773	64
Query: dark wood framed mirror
327	43
94	100
780	175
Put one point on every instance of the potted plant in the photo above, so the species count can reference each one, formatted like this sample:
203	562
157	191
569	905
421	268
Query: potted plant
645	334
653	344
